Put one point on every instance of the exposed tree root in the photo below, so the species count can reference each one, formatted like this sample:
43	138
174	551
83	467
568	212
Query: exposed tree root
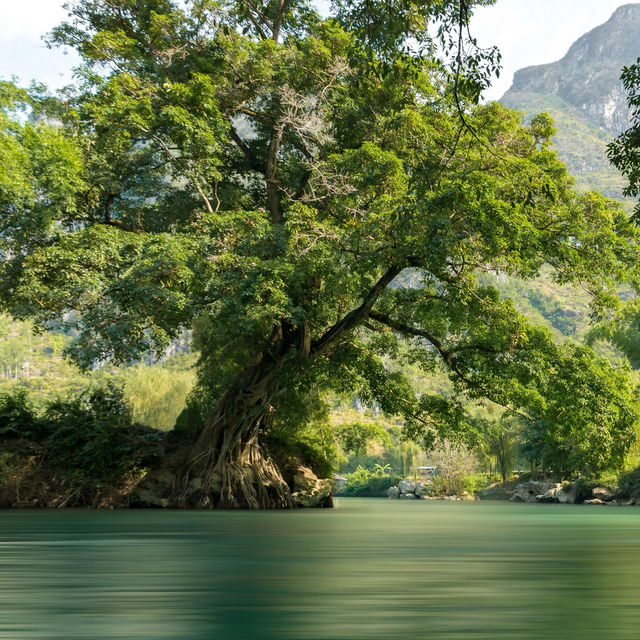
227	468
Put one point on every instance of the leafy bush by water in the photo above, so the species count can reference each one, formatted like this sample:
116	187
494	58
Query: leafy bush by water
92	438
369	482
469	482
18	418
629	484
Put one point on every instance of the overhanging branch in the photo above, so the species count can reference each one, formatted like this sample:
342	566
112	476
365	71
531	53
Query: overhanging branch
357	316
448	355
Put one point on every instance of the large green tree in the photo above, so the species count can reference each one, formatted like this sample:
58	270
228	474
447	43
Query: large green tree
622	329
306	193
624	151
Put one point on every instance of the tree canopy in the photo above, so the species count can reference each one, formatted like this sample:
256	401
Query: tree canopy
311	195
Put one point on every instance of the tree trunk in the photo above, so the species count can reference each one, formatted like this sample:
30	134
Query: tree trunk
227	468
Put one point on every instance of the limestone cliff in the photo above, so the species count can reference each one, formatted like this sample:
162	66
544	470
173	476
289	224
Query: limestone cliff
583	92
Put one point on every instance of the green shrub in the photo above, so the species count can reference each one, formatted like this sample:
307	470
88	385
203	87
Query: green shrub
95	435
18	418
190	421
469	482
629	484
365	482
92	438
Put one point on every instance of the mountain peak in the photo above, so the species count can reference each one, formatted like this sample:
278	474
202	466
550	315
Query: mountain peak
588	76
626	12
584	95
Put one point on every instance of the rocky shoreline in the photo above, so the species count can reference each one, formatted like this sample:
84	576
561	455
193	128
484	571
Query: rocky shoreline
565	493
541	491
407	490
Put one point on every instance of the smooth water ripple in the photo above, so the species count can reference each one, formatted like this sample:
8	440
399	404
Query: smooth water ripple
368	569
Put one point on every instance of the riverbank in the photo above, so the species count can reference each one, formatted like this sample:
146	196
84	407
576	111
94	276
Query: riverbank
90	452
623	491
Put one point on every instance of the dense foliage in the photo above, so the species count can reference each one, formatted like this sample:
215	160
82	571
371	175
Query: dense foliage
623	329
598	417
269	177
366	483
90	440
355	437
624	152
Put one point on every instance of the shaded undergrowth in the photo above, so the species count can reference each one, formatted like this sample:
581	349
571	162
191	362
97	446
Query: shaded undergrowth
85	451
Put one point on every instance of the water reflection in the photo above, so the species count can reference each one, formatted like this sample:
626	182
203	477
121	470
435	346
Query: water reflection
368	569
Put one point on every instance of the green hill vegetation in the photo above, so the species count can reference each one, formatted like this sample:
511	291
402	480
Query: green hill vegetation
36	364
581	144
584	95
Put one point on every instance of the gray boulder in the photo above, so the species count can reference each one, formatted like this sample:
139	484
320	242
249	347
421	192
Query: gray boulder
594	501
393	493
567	495
408	496
604	494
563	494
406	486
419	490
529	491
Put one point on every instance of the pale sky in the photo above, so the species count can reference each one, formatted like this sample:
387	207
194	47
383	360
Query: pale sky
527	32
531	32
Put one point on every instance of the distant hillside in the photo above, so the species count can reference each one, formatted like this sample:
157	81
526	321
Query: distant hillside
35	363
584	95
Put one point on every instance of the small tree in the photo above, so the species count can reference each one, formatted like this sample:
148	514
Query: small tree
453	459
500	440
587	422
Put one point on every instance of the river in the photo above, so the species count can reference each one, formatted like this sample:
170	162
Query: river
368	569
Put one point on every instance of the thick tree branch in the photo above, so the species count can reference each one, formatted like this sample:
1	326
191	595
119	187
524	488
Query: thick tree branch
447	355
273	191
256	20
357	316
407	330
254	165
114	222
277	24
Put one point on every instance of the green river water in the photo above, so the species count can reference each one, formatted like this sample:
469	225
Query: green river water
368	569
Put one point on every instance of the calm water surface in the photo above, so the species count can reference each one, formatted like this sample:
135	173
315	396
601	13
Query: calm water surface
367	569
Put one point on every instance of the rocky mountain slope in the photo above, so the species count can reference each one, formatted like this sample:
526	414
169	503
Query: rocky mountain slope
584	94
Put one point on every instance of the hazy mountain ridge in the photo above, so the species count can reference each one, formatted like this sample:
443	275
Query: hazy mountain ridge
588	77
585	96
